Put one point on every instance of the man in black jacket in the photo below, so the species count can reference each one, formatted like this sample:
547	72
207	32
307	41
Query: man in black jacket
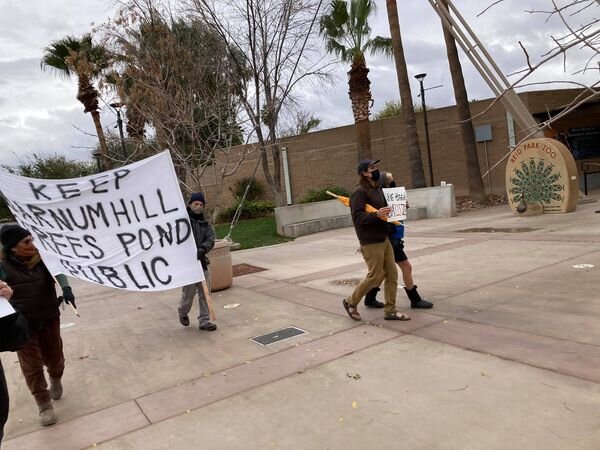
372	232
396	237
13	334
204	235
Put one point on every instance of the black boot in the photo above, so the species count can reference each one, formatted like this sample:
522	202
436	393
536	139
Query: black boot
371	301
415	299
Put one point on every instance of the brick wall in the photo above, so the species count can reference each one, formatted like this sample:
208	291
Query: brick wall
328	157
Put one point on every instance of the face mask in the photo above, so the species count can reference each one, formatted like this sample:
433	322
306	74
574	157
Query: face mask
375	175
197	209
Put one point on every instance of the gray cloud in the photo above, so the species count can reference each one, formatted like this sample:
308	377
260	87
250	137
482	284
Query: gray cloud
38	110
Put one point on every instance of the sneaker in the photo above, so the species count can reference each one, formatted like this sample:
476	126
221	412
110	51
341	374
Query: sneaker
47	416
208	326
56	389
184	320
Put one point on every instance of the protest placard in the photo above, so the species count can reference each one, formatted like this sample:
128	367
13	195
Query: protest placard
396	200
126	228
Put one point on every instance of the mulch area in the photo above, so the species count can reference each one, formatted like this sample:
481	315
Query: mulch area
466	204
245	269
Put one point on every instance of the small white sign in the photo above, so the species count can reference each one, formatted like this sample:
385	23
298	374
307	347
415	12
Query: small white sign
396	199
6	308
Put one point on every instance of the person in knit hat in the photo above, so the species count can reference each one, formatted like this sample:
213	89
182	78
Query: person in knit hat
204	236
34	296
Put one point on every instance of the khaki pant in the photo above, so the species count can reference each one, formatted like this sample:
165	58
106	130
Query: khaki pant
381	265
44	348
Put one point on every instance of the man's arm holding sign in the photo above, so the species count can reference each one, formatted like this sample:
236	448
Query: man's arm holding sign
362	212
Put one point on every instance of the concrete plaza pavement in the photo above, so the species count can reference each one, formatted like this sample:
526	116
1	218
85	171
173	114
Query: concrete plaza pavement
509	357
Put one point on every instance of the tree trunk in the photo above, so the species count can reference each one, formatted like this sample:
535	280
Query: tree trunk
417	174
88	96
106	162
476	188
360	96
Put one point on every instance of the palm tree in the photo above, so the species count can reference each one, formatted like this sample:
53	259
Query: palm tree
345	28
417	174
476	188
80	57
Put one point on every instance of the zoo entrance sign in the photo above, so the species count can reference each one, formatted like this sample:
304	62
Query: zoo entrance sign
544	171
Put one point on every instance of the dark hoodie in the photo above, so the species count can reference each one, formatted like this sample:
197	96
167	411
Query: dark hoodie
204	235
369	228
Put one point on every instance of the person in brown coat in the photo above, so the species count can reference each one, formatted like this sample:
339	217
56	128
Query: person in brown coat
375	246
35	297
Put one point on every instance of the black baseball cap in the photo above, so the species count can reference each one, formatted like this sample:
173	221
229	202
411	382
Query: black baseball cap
365	164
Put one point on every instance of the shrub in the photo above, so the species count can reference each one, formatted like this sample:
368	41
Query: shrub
5	214
251	210
319	195
255	192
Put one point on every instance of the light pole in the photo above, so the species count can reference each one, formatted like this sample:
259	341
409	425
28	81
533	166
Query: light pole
98	157
117	108
420	78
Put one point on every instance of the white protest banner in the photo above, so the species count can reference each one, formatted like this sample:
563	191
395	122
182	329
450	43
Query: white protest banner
396	200
6	308
126	228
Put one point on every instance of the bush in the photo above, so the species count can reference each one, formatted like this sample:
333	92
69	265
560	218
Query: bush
319	195
5	214
251	210
255	192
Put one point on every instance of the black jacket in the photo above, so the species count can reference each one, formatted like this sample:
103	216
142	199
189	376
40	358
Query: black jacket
13	332
34	292
369	228
204	236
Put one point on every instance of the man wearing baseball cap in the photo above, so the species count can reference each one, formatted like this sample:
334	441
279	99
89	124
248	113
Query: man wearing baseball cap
372	232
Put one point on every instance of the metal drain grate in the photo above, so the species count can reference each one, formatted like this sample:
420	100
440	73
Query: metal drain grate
498	230
245	269
277	336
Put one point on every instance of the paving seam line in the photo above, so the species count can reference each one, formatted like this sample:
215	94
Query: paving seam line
508	358
396	335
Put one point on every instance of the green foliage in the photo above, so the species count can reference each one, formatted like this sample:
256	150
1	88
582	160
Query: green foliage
347	33
255	192
251	210
72	55
5	214
53	167
390	109
320	195
394	108
253	233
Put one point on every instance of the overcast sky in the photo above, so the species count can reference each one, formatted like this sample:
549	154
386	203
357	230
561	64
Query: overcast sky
40	114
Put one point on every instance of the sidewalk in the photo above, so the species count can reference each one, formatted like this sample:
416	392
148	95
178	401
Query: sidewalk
508	357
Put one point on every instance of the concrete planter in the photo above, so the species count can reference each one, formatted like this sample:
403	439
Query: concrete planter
220	267
439	201
307	218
